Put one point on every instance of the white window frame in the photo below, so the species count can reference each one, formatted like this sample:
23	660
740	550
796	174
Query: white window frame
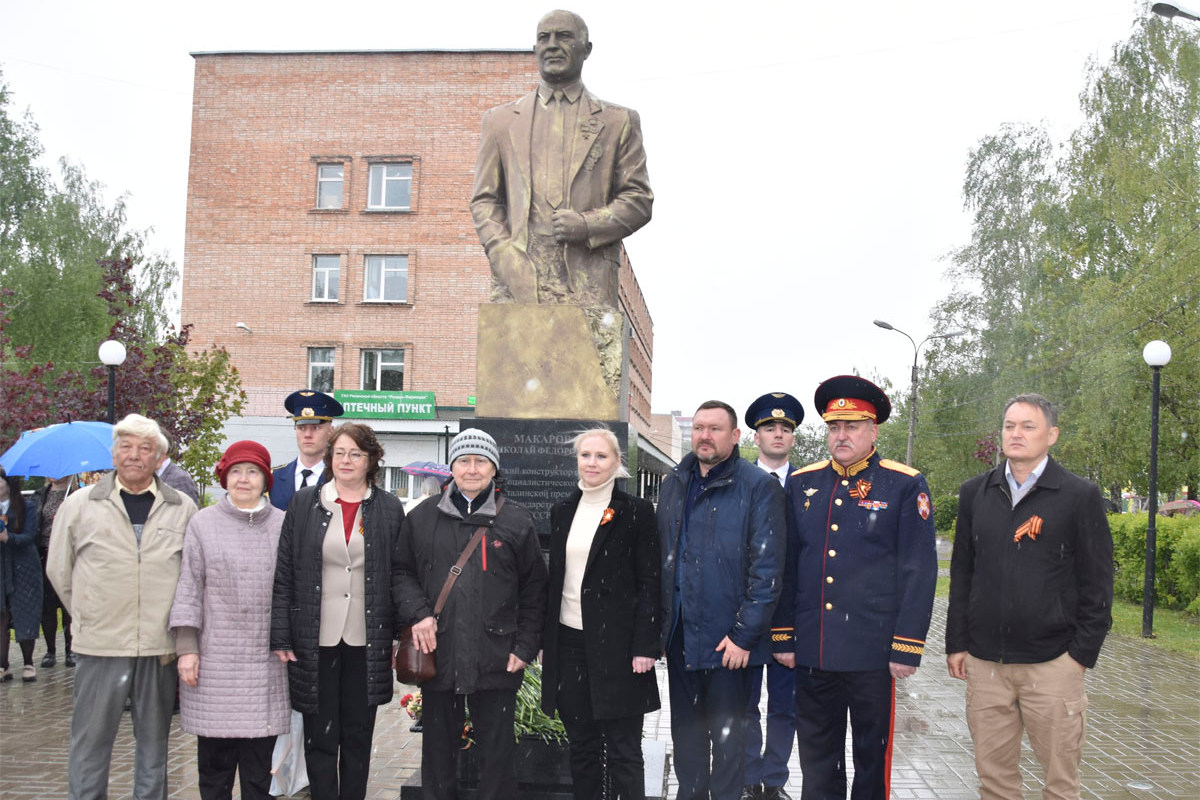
380	358
396	481
323	180
314	364
380	273
326	273
379	181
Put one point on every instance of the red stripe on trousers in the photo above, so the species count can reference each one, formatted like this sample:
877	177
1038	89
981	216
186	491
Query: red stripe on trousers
887	756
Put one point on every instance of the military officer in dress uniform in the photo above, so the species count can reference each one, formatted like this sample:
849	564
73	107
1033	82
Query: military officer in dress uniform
773	418
313	414
859	585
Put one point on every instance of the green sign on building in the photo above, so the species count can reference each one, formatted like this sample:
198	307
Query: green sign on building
386	405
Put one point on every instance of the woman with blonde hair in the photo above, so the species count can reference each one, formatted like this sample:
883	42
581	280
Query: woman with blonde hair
602	631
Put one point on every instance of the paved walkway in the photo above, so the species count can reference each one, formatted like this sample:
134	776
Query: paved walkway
1143	720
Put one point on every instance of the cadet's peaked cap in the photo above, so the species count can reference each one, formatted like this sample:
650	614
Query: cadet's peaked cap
774	407
851	397
308	407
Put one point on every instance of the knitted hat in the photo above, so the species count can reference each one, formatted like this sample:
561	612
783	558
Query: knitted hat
246	452
474	442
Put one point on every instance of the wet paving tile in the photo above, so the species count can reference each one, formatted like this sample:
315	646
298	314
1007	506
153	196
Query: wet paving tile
1143	734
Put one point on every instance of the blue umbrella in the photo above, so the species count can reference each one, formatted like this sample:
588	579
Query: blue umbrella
57	451
427	468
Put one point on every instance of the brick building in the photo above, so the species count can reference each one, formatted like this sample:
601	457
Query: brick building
330	245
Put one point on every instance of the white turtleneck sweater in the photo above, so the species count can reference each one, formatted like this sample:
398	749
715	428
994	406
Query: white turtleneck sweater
579	544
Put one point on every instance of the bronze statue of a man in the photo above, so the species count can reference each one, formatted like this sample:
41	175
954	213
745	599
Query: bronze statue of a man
560	181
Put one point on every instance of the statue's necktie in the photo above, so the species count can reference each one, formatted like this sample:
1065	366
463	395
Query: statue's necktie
554	163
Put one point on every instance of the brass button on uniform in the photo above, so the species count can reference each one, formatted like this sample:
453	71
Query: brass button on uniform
829	579
845	483
833	527
829	606
837	502
832	553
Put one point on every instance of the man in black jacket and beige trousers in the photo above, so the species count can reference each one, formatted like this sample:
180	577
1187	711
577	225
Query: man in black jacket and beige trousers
1031	586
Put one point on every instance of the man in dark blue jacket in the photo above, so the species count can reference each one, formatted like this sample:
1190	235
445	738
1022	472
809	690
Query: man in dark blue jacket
1031	588
721	525
861	571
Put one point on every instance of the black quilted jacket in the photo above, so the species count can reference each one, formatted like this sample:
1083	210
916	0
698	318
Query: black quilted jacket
296	603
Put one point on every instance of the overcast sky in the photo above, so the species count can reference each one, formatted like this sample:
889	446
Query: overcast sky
806	159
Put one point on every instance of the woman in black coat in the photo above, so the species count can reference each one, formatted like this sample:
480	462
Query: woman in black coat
20	574
332	619
603	616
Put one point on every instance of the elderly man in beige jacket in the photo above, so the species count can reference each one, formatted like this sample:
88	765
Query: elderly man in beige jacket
114	560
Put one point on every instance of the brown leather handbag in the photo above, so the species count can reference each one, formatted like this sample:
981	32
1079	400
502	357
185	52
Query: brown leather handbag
412	666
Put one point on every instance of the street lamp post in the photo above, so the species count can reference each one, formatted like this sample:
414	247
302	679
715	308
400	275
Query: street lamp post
912	403
1156	355
1169	10
112	355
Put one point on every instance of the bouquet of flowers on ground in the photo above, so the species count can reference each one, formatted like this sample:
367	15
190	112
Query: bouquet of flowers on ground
412	704
528	719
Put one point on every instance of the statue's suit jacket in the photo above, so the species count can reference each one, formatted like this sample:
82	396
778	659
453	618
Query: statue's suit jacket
609	187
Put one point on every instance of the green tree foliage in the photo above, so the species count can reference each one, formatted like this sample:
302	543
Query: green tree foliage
72	274
810	445
51	240
1079	255
190	395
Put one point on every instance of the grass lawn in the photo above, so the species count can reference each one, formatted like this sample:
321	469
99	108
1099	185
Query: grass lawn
943	582
1173	630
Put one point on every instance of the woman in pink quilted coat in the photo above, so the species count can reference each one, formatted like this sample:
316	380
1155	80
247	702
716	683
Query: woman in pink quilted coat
232	690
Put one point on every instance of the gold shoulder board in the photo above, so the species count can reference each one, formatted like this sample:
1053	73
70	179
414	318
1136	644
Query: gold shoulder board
896	466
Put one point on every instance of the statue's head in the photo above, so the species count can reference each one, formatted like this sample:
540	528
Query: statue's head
561	48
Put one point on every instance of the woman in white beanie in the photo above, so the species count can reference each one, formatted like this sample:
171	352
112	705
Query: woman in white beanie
491	624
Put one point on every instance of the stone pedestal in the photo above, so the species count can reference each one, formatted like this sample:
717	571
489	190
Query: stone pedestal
549	362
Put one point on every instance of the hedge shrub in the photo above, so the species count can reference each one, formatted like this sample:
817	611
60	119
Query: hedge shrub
1176	562
945	513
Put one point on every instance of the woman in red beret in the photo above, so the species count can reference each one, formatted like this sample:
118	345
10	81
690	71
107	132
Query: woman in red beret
232	690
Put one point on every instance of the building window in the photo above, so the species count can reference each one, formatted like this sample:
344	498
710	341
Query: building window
396	481
320	368
390	187
330	179
383	370
387	279
325	277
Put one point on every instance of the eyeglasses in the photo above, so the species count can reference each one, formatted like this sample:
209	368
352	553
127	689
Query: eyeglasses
353	455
